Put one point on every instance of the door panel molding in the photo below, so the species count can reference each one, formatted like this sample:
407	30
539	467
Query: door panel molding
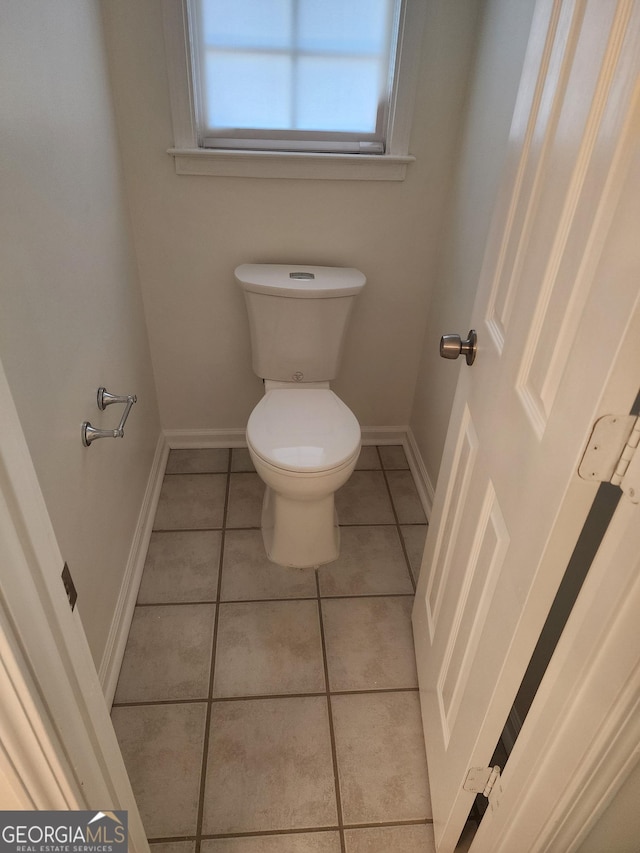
449	517
486	561
579	226
525	165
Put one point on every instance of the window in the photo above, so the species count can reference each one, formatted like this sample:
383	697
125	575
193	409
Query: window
311	75
293	88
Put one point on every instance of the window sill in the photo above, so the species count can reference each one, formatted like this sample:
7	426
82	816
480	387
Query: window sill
277	164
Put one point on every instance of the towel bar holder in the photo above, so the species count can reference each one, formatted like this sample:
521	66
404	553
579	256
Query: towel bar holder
104	399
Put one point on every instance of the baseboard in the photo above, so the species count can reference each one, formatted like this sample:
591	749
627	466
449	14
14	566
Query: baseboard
184	439
384	435
424	485
114	651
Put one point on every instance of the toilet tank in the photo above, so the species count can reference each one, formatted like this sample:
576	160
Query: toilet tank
298	317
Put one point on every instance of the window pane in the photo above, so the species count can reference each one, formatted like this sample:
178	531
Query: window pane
247	23
300	65
337	94
349	26
248	90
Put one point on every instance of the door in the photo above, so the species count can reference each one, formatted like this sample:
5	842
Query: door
555	309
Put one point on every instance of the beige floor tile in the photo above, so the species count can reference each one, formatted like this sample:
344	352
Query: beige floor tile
364	500
241	460
248	575
414	536
393	456
381	761
389	839
297	842
198	461
368	458
162	744
405	497
369	643
173	847
268	647
269	766
245	500
191	501
371	562
181	565
168	653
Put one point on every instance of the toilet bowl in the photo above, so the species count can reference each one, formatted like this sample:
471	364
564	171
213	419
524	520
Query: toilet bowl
304	443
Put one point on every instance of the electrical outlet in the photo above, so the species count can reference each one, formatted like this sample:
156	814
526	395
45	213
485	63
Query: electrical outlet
69	588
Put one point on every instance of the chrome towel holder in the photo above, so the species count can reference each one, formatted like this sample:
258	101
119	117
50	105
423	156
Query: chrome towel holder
104	399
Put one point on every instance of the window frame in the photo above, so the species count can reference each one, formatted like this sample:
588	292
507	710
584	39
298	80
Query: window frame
190	159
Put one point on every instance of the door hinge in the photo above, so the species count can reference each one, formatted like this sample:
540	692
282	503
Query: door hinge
611	455
481	780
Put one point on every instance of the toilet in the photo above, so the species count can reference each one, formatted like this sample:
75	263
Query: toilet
303	440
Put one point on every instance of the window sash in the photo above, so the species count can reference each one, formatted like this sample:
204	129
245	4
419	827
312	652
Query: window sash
292	140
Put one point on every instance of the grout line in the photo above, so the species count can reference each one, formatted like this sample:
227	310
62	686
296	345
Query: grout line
406	559
202	700
349	524
332	735
214	700
207	729
425	821
267	600
369	523
186	529
260	696
397	524
368	595
374	692
164	839
193	473
233	601
303	830
341	597
175	603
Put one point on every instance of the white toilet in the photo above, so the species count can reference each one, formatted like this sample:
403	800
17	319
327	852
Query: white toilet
303	440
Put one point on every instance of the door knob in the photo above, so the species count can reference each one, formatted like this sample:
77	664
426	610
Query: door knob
451	346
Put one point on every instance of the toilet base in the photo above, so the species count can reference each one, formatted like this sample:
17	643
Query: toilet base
297	533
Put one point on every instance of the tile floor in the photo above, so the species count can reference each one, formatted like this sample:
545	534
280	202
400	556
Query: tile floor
270	710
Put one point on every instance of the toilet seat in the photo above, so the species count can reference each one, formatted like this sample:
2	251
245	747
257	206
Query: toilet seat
303	430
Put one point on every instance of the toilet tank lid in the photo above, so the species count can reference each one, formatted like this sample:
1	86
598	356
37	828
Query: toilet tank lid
300	282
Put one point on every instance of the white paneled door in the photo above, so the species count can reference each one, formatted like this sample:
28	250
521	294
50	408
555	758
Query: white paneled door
557	315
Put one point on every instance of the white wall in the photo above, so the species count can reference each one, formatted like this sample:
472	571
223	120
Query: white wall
502	42
71	317
191	231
